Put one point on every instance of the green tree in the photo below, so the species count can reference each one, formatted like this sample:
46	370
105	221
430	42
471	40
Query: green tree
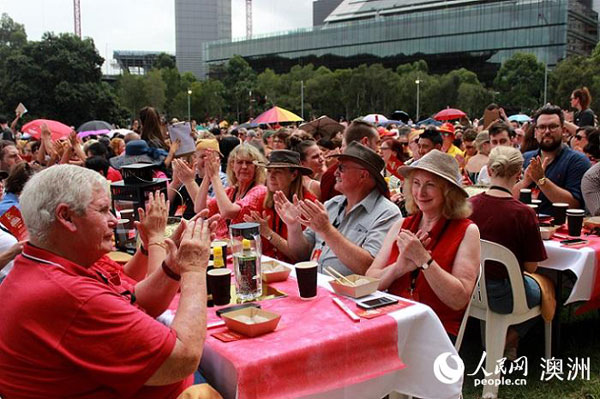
473	98
570	74
163	61
59	78
155	89
239	81
172	81
520	82
322	93
132	93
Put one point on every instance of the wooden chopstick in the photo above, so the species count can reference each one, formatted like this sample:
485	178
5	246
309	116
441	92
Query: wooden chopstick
340	275
335	278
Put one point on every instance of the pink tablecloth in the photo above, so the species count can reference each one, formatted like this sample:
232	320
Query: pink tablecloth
315	348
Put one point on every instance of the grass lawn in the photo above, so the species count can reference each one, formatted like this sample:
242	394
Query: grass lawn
579	340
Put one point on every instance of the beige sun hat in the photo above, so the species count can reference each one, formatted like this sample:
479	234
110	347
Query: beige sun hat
438	163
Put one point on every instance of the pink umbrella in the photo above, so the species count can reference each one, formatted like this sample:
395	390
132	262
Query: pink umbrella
34	128
276	115
448	114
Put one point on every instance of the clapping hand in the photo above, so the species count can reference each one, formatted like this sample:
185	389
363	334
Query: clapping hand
287	211
181	252
262	220
314	215
182	171
412	246
153	220
536	169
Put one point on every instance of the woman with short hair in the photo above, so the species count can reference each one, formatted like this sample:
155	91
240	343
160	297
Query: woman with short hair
433	255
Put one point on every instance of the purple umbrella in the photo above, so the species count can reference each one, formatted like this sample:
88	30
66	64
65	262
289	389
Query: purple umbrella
94	128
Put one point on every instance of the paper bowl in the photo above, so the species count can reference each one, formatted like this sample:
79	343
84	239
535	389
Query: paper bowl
592	223
270	276
547	232
235	321
356	291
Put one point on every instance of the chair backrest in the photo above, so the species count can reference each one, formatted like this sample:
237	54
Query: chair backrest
463	324
490	251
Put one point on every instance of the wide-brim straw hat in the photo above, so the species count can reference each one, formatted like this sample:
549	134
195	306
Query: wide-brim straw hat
368	158
437	163
285	159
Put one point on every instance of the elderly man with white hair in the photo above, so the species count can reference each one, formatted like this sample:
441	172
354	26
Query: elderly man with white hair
70	328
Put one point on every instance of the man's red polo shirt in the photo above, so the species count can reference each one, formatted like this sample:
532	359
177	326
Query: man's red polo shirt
70	332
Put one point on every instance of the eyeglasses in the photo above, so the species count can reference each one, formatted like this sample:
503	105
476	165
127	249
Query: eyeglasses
404	143
579	137
385	148
243	162
343	168
542	128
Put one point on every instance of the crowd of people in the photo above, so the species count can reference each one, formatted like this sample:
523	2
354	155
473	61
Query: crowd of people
387	202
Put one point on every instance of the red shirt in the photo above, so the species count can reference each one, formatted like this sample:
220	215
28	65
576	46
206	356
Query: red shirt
328	183
447	235
69	332
251	201
508	222
113	175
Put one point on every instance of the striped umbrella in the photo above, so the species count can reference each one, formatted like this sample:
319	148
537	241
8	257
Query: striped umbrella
276	115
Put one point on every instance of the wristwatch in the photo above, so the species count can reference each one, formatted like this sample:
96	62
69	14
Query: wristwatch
541	182
426	265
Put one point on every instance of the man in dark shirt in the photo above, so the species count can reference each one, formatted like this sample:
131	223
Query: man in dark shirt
554	168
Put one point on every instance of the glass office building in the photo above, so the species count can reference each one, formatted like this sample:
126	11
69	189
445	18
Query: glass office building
478	35
197	22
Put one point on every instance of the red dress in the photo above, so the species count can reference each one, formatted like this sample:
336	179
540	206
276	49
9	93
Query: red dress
279	227
446	237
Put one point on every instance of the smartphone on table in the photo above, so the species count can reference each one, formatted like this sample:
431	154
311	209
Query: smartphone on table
376	302
574	241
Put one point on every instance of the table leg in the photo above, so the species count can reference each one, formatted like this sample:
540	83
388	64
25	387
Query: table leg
556	323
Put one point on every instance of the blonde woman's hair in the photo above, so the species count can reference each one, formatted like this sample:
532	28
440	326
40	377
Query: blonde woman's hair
246	151
505	161
455	206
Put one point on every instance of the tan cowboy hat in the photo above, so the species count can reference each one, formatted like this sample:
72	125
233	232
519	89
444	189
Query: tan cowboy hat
438	163
285	159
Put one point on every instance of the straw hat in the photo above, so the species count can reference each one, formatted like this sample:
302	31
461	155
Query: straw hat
438	163
208	144
368	158
285	159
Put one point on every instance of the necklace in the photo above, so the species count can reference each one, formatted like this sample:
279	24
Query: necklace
500	188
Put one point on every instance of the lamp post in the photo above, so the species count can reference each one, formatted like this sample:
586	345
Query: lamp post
418	82
189	110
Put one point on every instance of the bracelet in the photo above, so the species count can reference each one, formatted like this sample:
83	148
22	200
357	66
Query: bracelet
161	244
143	250
170	273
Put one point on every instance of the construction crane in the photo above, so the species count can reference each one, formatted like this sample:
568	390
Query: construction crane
248	19
77	17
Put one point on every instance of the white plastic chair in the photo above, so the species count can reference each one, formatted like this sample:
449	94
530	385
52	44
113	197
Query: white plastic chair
496	324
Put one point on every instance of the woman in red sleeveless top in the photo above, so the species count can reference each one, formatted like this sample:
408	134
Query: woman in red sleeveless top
284	174
432	256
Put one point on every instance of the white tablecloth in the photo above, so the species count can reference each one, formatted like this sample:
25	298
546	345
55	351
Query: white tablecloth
421	339
581	261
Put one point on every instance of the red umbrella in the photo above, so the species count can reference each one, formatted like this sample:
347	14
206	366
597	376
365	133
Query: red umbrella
34	128
448	114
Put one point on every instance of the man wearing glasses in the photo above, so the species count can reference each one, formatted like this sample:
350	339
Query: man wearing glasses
554	168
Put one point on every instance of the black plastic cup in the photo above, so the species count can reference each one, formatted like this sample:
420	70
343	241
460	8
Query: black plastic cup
306	274
538	203
575	221
219	284
559	212
525	195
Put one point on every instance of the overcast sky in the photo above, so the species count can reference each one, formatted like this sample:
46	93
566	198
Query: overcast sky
145	24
